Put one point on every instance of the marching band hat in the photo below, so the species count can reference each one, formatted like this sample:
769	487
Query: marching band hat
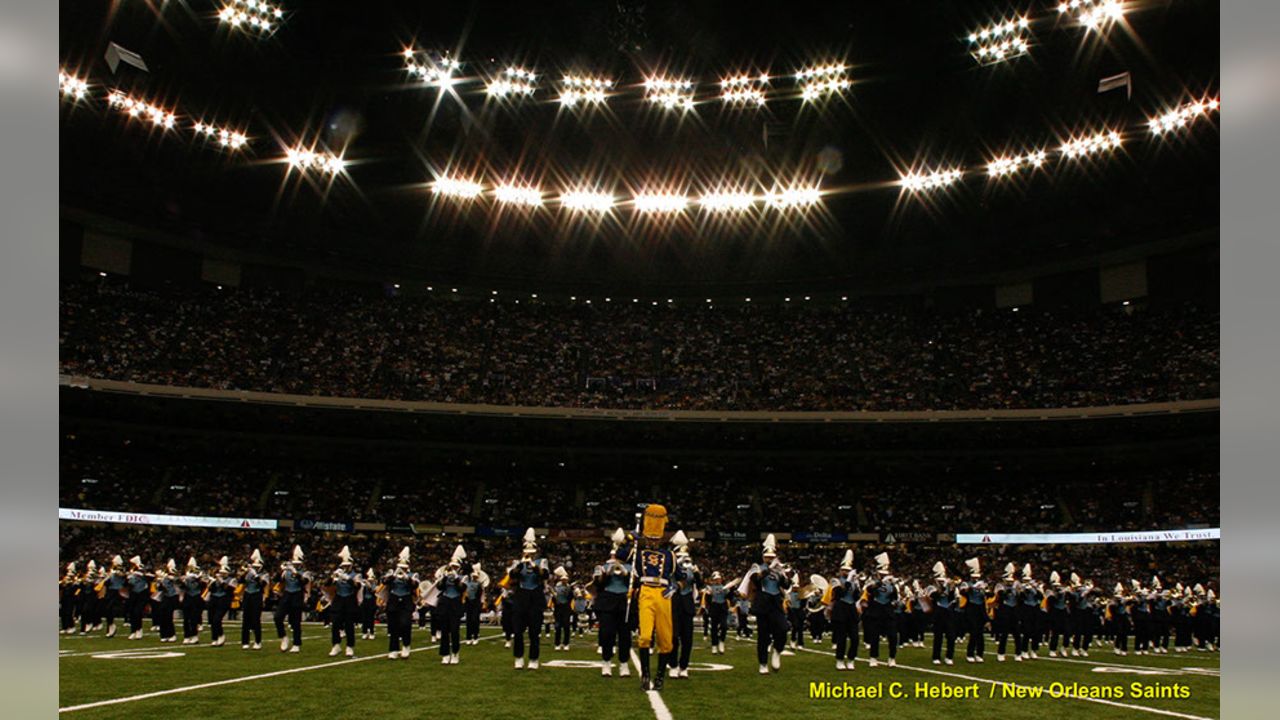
882	563
561	573
297	554
846	562
136	561
1075	579
117	561
402	560
459	554
344	555
975	568
716	575
1055	578
770	547
939	571
255	559
1026	571
192	564
172	566
530	543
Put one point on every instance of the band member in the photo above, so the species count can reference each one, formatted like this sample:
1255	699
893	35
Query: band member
344	584
219	590
68	589
293	586
1119	612
795	615
1084	616
843	593
742	609
878	621
87	599
1159	617
973	609
368	604
716	604
655	568
581	617
946	619
612	581
473	600
688	582
139	591
1055	603
1005	622
399	592
193	583
506	613
116	593
561	607
766	584
166	598
1029	617
252	585
528	576
450	588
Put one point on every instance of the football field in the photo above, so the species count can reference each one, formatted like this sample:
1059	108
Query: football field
119	678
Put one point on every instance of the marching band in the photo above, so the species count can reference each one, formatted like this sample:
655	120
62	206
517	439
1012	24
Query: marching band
649	593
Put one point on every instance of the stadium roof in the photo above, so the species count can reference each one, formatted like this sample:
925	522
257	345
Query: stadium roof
334	74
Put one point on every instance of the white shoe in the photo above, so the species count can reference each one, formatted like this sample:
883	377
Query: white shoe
333	652
444	660
533	664
873	662
979	659
111	630
624	670
1084	653
284	644
257	646
840	665
519	663
969	658
684	673
788	653
775	660
764	669
606	669
1034	656
949	661
1053	653
404	651
393	655
721	648
1018	657
850	664
893	663
937	662
506	644
295	649
244	646
999	658
351	652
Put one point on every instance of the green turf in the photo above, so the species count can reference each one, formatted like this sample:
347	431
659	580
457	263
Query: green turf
422	687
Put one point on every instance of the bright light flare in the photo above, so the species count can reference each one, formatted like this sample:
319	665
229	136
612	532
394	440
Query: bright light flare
432	71
822	80
514	81
457	187
251	15
586	201
1001	166
1000	42
727	201
575	89
796	196
70	86
138	109
1181	117
936	180
660	202
306	159
1097	143
1093	14
518	195
743	89
226	138
670	93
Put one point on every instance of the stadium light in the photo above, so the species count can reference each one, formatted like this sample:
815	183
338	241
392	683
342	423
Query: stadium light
823	80
743	89
518	195
251	16
1181	117
136	108
306	159
727	201
586	201
660	202
1093	14
794	197
70	86
225	138
1092	144
670	93
1000	42
513	81
437	71
575	89
921	182
1001	166
457	187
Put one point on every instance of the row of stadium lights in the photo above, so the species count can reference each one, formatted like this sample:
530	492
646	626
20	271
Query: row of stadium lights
1011	38
634	300
311	160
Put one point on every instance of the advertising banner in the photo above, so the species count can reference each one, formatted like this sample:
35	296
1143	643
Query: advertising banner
1094	538
131	518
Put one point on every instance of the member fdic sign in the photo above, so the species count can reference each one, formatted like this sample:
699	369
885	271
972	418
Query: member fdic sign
1094	538
129	518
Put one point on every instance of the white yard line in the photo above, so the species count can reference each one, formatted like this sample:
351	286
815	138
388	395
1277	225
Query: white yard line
1122	664
155	645
655	698
988	681
246	678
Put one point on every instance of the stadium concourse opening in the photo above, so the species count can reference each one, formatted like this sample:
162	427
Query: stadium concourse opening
639	359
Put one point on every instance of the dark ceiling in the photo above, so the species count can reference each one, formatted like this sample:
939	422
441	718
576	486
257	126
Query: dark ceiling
333	74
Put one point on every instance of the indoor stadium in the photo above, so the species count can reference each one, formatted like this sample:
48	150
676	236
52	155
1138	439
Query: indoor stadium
639	359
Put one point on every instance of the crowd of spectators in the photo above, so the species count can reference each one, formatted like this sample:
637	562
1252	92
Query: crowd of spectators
788	356
460	494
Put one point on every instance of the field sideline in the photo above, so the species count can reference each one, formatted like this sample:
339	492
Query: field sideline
230	682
